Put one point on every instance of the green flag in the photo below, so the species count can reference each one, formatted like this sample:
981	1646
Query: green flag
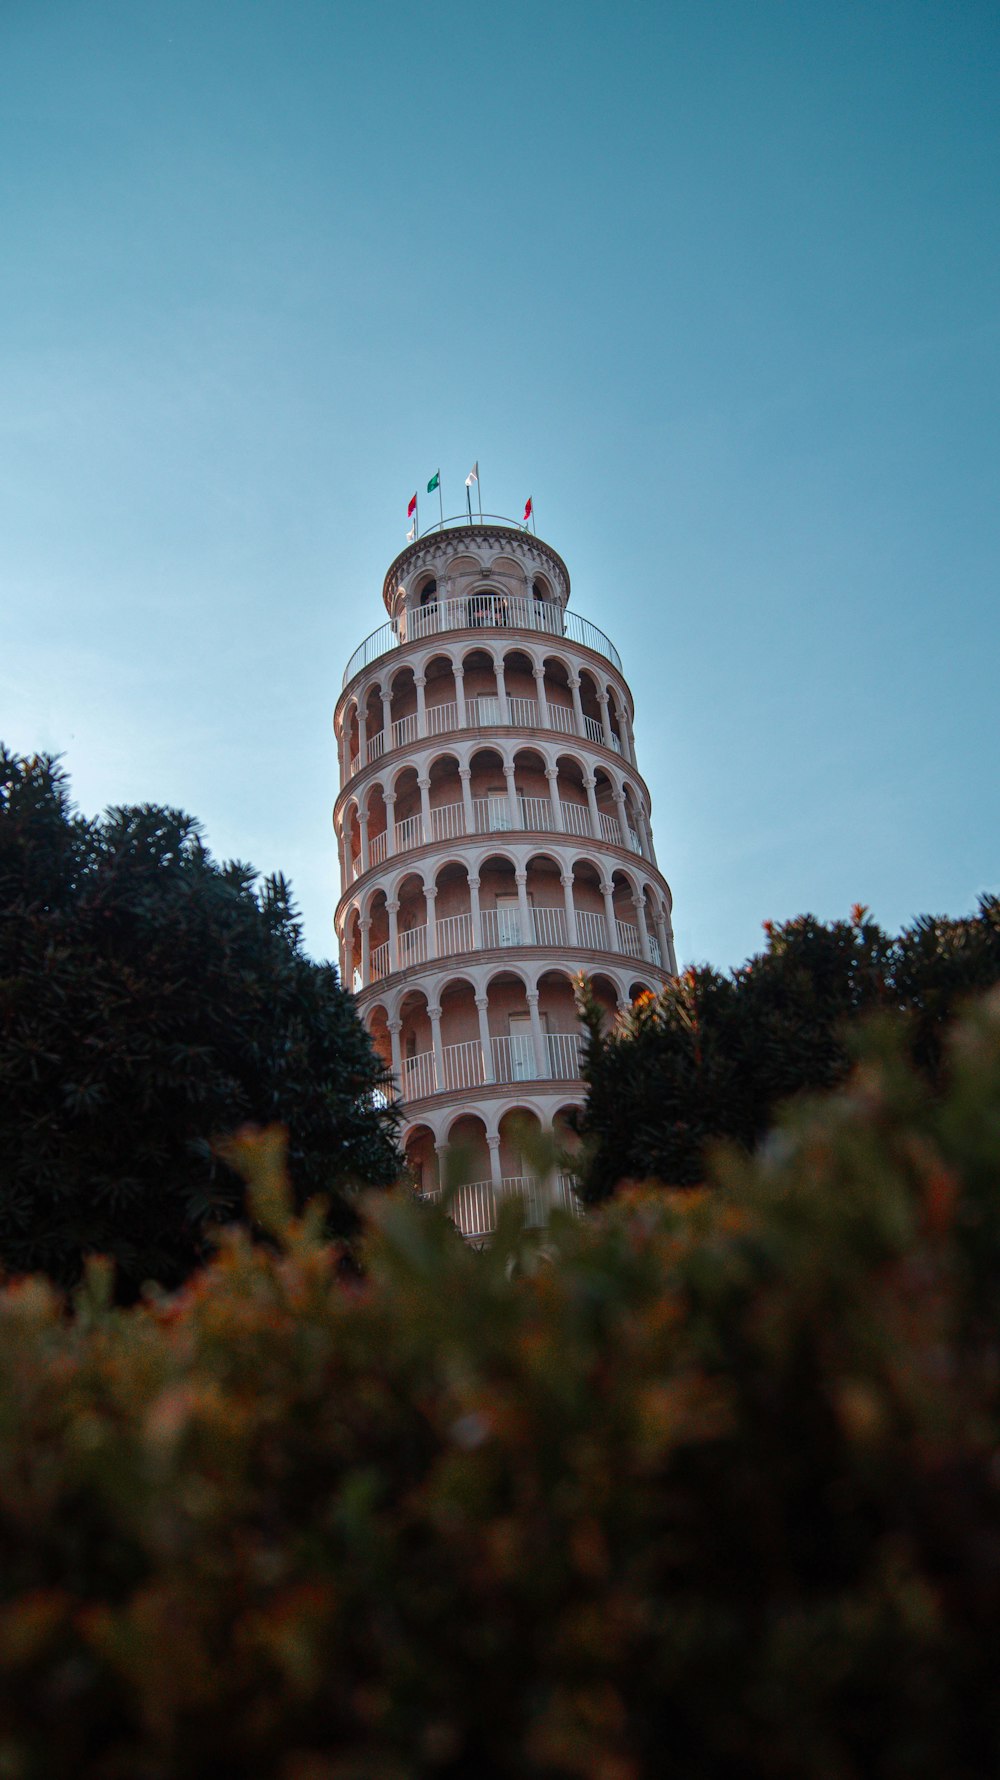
435	482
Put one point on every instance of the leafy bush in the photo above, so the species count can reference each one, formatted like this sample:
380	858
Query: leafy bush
715	1055
707	1485
149	999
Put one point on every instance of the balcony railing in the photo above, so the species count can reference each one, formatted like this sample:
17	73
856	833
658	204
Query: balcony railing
481	612
501	927
495	815
474	1205
512	1059
484	712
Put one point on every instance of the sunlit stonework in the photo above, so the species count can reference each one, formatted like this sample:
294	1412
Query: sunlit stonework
494	837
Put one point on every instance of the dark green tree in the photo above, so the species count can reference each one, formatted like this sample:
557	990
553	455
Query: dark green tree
715	1055
152	1000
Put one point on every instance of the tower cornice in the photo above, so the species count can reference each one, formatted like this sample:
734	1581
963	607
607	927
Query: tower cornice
426	552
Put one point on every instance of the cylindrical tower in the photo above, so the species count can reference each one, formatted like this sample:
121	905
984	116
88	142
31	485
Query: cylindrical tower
494	837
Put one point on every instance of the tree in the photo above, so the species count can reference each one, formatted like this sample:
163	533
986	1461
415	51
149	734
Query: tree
714	1056
152	1000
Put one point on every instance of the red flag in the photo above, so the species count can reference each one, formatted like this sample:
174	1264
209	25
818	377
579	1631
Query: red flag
527	511
411	509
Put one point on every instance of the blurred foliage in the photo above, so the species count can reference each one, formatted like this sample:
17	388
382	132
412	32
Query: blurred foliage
149	999
714	1056
708	1487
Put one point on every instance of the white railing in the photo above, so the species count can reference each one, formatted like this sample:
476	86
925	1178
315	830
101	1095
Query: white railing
654	950
616	742
454	934
610	830
523	712
477	612
419	1076
447	821
565	1196
564	1055
576	818
409	833
492	815
411	945
628	939
536	814
593	730
633	841
484	713
376	746
463	1064
548	926
502	927
514	1058
592	930
474	1209
441	718
379	963
377	845
524	1186
404	730
562	717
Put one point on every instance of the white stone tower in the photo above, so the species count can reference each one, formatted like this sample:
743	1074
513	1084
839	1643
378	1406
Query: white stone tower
494	840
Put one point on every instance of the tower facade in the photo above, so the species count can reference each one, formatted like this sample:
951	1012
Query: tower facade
494	838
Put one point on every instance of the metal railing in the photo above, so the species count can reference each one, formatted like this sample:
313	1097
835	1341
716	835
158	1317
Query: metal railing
481	611
628	939
411	945
409	833
454	934
463	1064
591	930
419	1076
473	1207
482	712
564	1055
441	718
548	926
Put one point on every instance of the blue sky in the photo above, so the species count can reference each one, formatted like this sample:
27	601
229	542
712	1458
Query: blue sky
716	283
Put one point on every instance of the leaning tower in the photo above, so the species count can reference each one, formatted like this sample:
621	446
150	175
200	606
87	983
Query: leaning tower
494	839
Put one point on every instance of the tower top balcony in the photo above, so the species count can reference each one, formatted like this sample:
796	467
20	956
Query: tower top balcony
457	555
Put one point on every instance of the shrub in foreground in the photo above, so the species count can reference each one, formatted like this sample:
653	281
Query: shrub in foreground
705	1486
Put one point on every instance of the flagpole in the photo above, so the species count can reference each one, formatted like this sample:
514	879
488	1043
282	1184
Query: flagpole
479	493
440	500
468	500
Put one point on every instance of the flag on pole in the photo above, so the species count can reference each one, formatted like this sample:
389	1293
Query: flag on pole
473	475
411	534
411	509
527	511
435	482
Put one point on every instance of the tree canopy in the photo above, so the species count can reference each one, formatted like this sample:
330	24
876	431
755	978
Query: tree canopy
151	1001
715	1055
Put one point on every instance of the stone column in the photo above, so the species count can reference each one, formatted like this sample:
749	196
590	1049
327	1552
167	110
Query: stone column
434	1015
622	813
395	1028
477	919
386	720
504	716
495	1176
393	908
543	703
362	737
552	774
390	824
602	699
608	893
366	950
566	880
515	814
430	899
482	1009
463	721
424	786
537	1037
574	686
661	934
595	818
363	823
420	681
639	904
465	774
670	961
524	908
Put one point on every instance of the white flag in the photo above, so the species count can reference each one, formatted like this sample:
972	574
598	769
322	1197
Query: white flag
411	533
473	475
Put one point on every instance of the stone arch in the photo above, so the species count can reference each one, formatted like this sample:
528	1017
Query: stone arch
420	1149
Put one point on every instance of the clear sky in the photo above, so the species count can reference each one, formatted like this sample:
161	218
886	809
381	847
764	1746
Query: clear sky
715	281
